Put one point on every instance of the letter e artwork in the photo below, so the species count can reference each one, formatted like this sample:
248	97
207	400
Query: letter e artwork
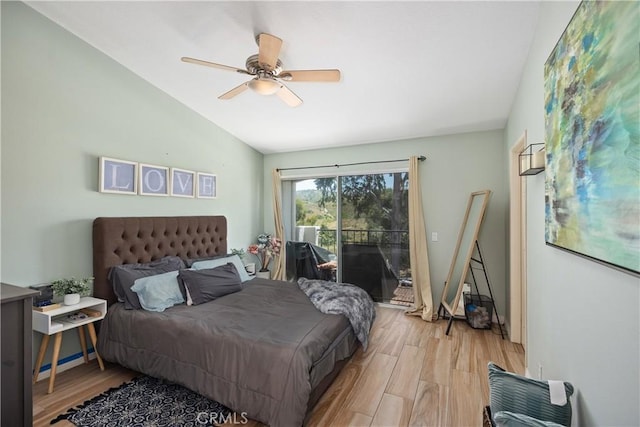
206	186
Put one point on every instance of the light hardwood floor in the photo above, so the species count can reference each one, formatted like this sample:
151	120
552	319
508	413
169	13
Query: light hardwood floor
412	374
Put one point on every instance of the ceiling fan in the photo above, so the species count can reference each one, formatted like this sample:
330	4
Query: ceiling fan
268	72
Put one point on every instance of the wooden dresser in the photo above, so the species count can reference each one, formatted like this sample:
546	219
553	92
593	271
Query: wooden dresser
16	336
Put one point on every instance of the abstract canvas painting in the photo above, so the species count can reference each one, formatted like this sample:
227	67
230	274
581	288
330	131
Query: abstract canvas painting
592	135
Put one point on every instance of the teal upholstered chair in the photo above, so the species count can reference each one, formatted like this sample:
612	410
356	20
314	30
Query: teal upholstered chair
521	401
510	419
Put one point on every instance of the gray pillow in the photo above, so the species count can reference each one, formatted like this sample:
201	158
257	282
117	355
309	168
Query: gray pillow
122	277
209	284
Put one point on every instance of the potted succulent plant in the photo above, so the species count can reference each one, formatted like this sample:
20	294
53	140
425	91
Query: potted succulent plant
250	267
71	289
240	252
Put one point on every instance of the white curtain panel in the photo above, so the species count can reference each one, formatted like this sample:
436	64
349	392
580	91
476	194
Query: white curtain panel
423	301
279	263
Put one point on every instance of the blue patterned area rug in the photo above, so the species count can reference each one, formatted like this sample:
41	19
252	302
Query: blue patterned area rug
147	401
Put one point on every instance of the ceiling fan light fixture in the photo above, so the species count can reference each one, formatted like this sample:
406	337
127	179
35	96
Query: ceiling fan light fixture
268	73
264	86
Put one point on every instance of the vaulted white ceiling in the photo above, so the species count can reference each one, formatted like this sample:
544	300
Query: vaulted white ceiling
409	69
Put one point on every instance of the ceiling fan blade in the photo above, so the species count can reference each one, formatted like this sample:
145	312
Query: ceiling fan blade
269	49
289	98
213	65
235	91
310	75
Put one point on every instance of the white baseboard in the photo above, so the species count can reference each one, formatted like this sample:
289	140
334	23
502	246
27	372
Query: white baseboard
66	366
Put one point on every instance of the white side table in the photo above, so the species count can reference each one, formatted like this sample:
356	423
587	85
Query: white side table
55	322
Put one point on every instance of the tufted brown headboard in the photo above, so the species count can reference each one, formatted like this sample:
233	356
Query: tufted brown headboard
129	240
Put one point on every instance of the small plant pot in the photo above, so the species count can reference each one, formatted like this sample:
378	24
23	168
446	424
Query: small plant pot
251	268
263	274
71	299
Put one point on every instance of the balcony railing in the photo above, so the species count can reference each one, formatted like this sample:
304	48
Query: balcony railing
394	244
384	238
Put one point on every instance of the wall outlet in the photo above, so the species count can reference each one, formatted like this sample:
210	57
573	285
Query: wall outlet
434	236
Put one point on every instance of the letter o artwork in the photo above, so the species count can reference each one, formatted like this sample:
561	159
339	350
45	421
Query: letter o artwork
154	180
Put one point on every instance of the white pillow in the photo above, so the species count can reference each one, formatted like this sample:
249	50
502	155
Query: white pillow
217	262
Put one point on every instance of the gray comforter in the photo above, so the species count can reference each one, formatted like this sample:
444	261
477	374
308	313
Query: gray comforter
261	350
342	298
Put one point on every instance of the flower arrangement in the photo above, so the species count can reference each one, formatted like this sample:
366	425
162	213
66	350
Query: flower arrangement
266	249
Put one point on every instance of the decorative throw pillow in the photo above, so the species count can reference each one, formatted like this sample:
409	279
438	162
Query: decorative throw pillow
206	285
122	277
159	292
217	262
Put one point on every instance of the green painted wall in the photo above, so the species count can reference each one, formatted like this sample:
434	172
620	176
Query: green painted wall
583	318
456	165
64	104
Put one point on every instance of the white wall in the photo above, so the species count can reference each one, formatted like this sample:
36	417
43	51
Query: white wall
456	165
64	104
583	317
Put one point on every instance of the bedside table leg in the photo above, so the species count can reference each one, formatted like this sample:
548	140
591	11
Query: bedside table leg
83	343
94	340
54	360
43	349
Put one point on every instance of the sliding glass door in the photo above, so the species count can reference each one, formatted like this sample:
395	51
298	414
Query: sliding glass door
374	233
357	228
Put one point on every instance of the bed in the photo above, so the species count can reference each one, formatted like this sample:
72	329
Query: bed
265	350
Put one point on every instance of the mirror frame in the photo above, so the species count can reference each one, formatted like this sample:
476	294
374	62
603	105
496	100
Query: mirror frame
468	252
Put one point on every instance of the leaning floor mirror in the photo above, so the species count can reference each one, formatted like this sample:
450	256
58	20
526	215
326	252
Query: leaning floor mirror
467	237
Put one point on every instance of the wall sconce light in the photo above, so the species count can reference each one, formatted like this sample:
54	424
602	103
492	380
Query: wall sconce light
532	159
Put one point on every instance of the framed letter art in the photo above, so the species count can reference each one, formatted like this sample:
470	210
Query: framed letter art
183	183
118	176
154	180
592	117
206	186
